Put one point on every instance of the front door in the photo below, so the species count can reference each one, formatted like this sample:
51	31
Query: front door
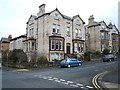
68	48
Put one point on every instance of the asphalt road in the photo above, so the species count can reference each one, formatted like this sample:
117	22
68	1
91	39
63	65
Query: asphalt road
74	77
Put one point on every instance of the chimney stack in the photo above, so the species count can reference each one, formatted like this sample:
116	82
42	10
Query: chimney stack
41	10
91	20
10	37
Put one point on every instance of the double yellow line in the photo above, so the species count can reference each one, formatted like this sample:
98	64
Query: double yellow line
95	80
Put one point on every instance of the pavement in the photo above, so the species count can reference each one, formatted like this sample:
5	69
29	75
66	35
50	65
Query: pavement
106	80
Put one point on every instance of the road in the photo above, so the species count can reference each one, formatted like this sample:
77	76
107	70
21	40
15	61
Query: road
74	77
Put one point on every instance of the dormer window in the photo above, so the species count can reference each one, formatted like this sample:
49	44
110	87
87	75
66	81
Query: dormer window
56	16
78	22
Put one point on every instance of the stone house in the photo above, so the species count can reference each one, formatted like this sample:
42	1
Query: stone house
17	42
4	43
54	35
99	36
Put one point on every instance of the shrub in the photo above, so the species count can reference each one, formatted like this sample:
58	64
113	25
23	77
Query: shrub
97	53
4	55
106	51
17	56
42	60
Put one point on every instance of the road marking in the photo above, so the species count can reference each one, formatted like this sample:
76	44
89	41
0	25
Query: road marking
69	82
74	85
50	79
89	87
62	80
82	87
79	84
55	78
44	77
65	83
57	81
94	80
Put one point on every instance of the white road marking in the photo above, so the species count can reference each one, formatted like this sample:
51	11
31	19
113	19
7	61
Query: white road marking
50	79
74	85
79	84
57	81
44	77
69	82
82	87
89	87
65	83
55	78
62	80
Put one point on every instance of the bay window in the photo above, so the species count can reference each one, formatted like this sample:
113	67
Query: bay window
56	44
52	44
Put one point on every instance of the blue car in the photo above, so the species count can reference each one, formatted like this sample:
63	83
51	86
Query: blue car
70	62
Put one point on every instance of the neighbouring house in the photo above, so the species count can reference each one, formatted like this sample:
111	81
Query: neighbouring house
17	42
4	43
54	35
99	36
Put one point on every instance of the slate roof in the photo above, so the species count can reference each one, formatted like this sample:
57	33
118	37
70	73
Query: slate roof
4	40
22	36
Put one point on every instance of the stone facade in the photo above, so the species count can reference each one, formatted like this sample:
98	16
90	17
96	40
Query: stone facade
17	43
99	36
54	35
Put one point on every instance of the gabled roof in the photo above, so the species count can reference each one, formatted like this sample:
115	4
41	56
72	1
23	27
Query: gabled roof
4	40
78	17
64	16
31	17
116	28
22	36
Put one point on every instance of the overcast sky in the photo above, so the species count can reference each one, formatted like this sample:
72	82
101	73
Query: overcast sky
15	13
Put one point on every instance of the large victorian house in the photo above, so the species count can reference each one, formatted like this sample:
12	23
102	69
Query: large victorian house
99	36
54	35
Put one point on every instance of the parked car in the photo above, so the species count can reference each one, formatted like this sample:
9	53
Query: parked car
109	57
70	62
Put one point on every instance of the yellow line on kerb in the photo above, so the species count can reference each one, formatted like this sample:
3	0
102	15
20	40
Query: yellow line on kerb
94	80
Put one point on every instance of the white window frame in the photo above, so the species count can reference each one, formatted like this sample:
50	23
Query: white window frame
68	30
78	22
58	29
56	16
57	44
52	44
60	45
102	35
75	47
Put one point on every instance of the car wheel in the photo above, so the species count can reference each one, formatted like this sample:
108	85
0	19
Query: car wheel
79	64
69	66
61	66
110	60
